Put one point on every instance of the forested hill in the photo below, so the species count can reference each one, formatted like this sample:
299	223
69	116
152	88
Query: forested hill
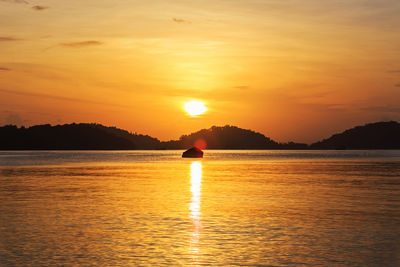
81	136
227	137
380	135
85	136
230	137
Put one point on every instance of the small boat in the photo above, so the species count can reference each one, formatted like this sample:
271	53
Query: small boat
193	152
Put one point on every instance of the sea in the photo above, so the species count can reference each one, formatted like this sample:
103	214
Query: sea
231	208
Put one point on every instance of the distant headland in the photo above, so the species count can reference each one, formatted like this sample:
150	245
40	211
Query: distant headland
91	136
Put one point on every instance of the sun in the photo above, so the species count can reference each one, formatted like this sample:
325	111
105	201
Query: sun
195	108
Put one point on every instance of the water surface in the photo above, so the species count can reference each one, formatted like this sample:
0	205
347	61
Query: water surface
153	208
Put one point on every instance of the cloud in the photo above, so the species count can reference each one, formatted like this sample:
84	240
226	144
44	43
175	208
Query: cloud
63	98
81	44
4	69
15	1
241	87
397	85
391	109
39	8
8	38
393	71
180	21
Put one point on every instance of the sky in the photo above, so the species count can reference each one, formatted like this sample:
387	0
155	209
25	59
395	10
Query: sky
293	70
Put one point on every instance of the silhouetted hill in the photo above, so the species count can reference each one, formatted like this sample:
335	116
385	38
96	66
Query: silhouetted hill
140	141
227	137
380	135
73	136
84	136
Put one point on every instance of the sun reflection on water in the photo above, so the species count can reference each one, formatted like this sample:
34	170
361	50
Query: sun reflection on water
195	213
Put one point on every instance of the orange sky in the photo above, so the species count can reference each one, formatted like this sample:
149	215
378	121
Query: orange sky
293	70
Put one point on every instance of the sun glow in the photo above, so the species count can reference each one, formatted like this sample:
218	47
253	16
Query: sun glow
195	108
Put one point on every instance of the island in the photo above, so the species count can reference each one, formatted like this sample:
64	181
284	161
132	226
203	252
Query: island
92	136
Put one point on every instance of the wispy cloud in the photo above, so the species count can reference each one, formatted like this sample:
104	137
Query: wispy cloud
397	85
15	1
63	98
391	109
181	21
393	71
40	8
81	44
8	39
4	69
241	87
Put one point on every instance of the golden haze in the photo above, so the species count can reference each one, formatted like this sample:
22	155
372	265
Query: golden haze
293	70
